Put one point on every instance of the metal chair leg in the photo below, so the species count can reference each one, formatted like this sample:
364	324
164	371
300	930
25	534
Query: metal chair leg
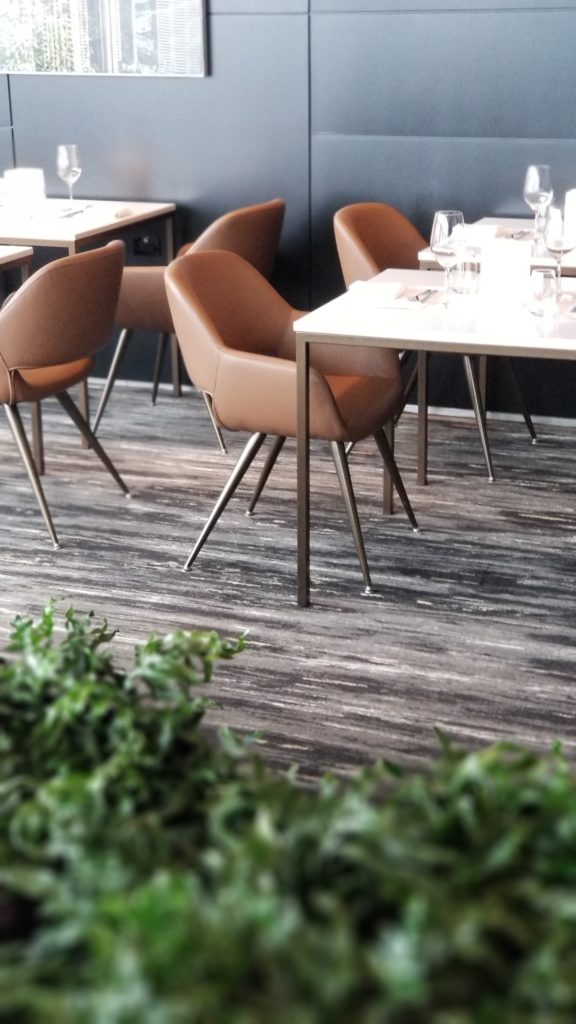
160	353
516	386
248	455
267	468
119	351
208	403
37	436
474	389
390	463
388	483
345	481
175	360
17	428
79	421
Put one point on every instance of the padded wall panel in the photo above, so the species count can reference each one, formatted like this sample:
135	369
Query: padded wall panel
509	74
428	6
427	105
419	175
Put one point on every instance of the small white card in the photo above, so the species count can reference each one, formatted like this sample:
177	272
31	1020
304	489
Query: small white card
505	271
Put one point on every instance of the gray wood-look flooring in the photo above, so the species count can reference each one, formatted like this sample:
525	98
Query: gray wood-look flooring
473	629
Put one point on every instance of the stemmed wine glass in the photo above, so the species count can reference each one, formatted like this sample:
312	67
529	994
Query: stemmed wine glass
68	165
447	243
559	237
538	194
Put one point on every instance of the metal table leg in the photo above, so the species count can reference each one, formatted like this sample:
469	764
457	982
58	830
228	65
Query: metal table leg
303	468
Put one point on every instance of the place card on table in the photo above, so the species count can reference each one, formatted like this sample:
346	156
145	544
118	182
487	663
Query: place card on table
505	272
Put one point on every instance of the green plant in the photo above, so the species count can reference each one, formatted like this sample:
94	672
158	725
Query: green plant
153	874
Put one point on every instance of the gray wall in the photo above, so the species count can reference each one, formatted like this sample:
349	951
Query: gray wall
420	103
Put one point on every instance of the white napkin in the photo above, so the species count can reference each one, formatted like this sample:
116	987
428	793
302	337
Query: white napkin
379	293
478	235
390	295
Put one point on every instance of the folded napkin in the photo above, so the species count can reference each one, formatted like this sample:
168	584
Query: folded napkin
391	295
477	235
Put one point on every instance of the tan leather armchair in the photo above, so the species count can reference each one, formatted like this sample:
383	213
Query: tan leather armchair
371	237
237	341
49	331
251	231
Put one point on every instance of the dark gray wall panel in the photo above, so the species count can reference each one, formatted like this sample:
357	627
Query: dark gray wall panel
5	118
427	6
258	7
5	148
237	137
446	74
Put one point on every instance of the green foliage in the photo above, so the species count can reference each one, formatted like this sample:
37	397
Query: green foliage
152	874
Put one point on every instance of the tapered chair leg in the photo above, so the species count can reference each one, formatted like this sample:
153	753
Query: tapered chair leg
520	398
345	481
208	403
267	468
474	389
17	428
248	455
119	351
390	463
79	421
37	436
160	353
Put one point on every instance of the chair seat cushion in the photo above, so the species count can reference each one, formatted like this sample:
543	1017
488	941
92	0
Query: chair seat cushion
34	384
364	403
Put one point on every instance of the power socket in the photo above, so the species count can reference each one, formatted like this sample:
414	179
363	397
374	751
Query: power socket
147	245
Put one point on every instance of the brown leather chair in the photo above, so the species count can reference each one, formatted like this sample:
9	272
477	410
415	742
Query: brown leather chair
251	231
237	341
371	237
49	331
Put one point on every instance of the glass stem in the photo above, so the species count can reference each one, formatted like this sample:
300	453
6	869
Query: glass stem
559	279
70	187
447	285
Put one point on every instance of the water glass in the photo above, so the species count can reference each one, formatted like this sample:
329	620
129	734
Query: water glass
466	273
542	292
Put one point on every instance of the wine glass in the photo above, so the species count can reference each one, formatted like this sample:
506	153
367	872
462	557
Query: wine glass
538	194
68	165
447	243
559	236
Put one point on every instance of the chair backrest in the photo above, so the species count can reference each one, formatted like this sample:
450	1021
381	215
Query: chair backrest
371	237
64	312
220	301
253	232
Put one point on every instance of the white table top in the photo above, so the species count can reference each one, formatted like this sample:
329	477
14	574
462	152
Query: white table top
54	223
12	255
469	325
513	228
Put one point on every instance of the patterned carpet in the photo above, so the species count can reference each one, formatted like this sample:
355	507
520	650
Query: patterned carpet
473	629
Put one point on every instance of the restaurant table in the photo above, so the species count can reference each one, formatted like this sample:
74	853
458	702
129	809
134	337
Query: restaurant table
469	325
61	224
519	229
512	228
13	256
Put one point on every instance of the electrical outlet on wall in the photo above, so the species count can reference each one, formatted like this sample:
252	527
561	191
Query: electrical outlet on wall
147	245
